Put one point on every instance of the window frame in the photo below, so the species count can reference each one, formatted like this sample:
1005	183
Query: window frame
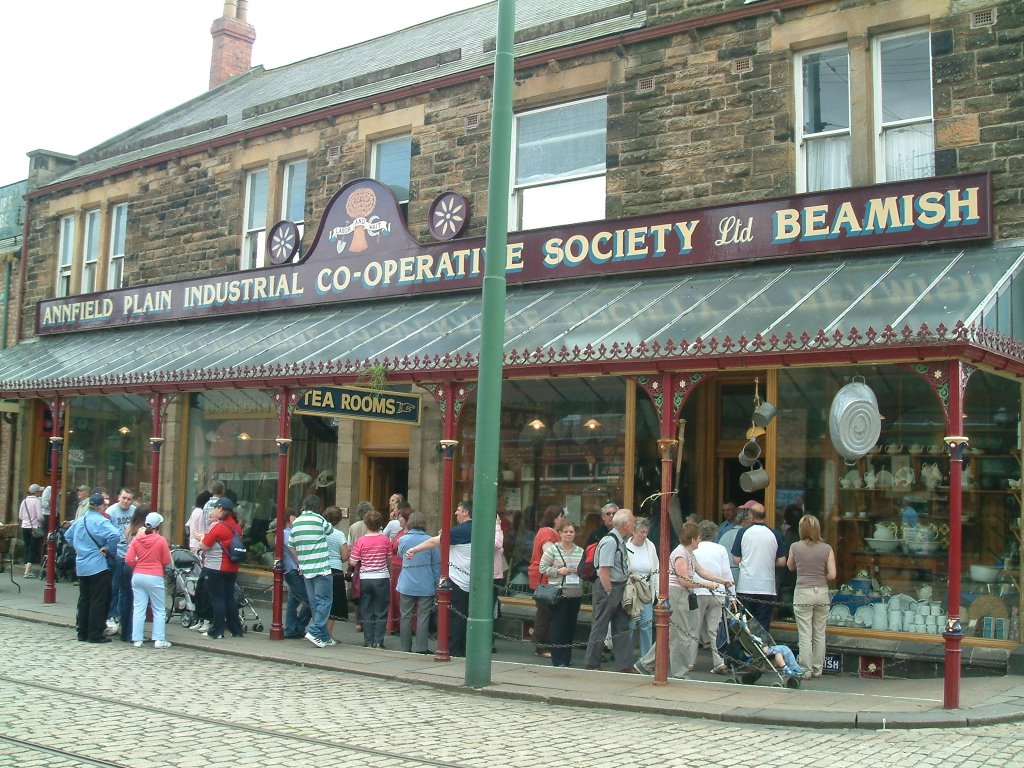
118	246
518	191
92	227
254	238
801	138
66	254
375	152
880	126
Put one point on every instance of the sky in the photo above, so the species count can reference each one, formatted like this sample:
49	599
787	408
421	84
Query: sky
78	72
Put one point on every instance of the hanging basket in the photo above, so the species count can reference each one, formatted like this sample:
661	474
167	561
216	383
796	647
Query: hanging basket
854	423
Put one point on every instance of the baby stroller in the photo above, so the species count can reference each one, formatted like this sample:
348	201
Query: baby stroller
64	559
742	641
247	611
184	574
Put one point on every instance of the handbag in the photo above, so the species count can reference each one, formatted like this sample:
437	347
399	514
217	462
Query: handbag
548	594
357	590
38	533
692	601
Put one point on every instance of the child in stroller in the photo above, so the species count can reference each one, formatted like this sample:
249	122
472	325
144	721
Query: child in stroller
749	651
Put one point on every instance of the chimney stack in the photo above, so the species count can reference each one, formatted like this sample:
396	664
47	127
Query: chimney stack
233	37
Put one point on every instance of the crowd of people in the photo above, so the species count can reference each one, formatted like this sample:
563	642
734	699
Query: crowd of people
392	570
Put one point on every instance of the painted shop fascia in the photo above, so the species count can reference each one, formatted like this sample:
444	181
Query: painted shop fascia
363	250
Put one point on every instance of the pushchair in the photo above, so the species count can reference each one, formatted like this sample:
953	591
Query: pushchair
64	559
185	571
741	641
247	611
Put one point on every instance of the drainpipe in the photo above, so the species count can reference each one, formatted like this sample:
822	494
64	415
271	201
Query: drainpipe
7	308
21	279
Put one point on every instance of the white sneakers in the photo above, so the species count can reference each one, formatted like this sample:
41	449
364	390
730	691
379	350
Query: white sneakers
113	626
156	644
201	626
315	640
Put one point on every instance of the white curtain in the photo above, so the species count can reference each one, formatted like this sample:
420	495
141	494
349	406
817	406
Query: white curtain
909	152
828	162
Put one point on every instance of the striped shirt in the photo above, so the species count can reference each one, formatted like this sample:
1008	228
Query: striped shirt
309	539
373	552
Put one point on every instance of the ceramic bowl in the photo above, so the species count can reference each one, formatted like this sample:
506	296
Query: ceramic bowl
987	574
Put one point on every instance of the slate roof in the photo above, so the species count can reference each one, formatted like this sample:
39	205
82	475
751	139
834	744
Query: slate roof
446	46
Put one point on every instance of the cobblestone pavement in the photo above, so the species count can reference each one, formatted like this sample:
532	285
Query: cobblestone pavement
74	704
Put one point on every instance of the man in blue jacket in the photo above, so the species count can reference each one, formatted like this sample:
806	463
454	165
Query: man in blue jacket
93	537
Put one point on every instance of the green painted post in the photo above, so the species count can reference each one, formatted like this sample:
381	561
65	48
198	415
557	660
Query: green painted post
492	341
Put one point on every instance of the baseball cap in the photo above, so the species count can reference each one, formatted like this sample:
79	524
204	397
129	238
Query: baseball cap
224	503
154	519
96	500
752	504
35	488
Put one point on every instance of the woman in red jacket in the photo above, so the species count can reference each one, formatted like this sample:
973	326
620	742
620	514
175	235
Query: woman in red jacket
220	572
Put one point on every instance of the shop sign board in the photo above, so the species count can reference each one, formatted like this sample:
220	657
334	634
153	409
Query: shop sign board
357	403
363	250
833	663
12	208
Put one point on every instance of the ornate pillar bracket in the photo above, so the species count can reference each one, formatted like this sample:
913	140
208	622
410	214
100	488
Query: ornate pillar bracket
941	379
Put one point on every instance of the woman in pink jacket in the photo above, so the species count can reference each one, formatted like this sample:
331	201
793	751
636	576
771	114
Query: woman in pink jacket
148	556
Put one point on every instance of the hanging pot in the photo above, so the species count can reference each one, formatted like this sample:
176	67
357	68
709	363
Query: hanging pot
854	423
750	454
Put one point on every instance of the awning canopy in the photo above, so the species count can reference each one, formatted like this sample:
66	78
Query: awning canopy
972	295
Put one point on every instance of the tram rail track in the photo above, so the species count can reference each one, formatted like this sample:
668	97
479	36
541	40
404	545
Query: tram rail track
409	761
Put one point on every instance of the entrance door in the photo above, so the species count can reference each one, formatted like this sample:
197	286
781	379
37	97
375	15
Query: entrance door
386	475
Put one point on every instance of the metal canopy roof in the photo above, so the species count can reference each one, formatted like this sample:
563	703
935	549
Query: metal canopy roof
701	312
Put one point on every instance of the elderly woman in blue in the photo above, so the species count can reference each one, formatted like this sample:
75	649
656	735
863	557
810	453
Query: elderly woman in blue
416	584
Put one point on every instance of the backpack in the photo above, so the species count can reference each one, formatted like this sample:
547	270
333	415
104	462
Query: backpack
236	550
586	570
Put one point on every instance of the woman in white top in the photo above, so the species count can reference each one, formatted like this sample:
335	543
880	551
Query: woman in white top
715	560
643	560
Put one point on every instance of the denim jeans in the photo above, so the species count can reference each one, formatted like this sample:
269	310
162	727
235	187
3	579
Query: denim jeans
148	590
643	624
116	579
320	593
127	600
296	612
373	609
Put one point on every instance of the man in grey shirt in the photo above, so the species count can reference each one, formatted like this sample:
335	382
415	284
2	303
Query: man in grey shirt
611	562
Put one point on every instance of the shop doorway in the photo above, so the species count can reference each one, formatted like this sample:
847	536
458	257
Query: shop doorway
386	475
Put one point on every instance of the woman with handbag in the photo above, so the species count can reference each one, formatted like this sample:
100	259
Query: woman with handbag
551	522
417	583
559	564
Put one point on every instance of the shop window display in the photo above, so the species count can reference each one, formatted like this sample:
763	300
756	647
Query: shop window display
562	443
108	444
231	438
887	514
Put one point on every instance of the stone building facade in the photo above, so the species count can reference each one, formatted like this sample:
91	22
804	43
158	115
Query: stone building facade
700	106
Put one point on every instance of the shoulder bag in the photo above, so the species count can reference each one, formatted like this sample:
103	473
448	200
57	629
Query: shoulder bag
548	594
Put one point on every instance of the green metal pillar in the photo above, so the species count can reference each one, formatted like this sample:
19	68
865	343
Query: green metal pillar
488	415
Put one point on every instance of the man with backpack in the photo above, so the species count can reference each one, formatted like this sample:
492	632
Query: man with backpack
611	562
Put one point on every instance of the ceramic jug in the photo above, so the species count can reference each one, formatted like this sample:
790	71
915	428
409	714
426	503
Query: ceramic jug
879	616
931	475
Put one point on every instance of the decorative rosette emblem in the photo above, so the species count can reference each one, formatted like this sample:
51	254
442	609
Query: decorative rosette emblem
283	242
448	216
